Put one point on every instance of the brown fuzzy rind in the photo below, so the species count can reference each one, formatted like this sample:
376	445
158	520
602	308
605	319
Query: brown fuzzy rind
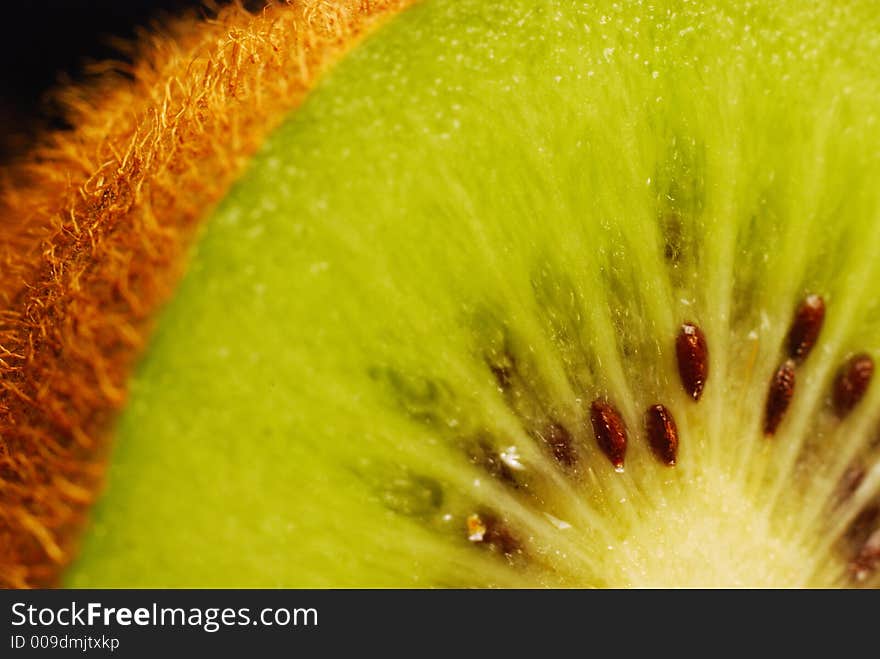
94	229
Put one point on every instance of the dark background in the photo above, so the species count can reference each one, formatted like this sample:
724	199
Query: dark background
480	623
43	43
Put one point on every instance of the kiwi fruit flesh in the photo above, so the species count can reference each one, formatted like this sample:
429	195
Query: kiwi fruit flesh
433	336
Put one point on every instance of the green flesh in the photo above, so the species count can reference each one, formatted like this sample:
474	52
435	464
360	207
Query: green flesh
564	183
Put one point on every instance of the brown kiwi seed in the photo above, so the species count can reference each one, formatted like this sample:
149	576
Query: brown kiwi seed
852	382
779	396
662	433
692	352
805	327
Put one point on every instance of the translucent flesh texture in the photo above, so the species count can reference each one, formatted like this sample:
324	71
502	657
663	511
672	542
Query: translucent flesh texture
555	187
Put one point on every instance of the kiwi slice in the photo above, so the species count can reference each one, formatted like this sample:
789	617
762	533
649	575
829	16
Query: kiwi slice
530	294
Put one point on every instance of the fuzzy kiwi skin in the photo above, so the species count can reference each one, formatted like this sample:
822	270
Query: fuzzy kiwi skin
95	223
556	189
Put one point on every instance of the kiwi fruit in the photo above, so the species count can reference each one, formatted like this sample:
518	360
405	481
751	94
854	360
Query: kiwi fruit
522	294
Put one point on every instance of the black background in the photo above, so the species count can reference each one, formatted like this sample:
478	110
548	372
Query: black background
43	43
491	624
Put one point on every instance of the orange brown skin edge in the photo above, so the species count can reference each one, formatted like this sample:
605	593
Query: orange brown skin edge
95	225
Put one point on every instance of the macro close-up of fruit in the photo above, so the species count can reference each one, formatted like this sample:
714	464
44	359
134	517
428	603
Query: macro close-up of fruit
454	294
